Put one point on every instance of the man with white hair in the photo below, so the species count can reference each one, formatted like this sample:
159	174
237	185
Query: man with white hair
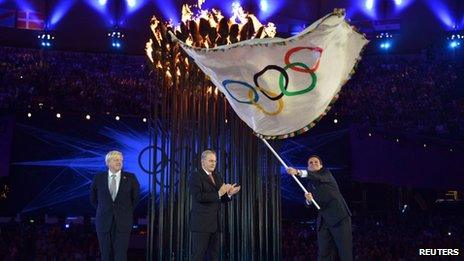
114	194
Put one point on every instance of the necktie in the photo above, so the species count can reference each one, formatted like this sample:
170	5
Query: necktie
113	187
212	179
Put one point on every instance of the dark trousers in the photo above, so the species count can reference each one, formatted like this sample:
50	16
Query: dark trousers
336	242
202	242
113	244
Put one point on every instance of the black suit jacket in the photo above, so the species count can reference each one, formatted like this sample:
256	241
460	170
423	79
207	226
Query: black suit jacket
205	215
122	207
327	194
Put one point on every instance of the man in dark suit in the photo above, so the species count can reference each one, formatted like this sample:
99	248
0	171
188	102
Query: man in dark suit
114	194
208	191
334	234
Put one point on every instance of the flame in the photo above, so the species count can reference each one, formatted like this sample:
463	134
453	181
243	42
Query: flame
149	50
200	3
239	14
239	17
170	61
270	29
187	14
154	23
215	15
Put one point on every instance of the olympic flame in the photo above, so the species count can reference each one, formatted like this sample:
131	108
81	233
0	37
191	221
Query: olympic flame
200	28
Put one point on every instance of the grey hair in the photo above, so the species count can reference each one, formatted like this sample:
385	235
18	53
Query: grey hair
205	153
111	155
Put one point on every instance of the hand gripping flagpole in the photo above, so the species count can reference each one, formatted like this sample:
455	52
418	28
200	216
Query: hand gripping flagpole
293	176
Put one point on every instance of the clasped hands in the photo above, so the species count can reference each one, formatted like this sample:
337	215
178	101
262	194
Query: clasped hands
230	189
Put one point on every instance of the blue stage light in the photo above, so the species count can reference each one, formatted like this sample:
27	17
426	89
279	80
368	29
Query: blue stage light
267	8
385	45
131	3
454	44
442	11
58	12
264	5
46	39
103	8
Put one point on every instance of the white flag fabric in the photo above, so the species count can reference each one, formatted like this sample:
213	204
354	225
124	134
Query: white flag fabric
282	87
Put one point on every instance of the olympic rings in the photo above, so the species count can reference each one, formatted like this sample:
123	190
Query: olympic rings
308	89
280	105
253	96
296	49
283	73
252	101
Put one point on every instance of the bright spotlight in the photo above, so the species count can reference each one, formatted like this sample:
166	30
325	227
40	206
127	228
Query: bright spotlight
264	5
29	115
117	118
58	115
369	4
454	44
144	119
385	45
102	2
398	2
87	117
131	3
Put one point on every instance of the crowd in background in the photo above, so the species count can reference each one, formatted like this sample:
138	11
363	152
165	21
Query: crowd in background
377	237
382	237
410	94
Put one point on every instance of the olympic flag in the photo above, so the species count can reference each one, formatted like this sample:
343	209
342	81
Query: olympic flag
282	87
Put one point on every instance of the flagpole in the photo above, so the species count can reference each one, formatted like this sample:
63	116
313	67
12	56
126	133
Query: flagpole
286	167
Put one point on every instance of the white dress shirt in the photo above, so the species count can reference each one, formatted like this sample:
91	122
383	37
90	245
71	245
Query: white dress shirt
303	173
118	179
206	171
